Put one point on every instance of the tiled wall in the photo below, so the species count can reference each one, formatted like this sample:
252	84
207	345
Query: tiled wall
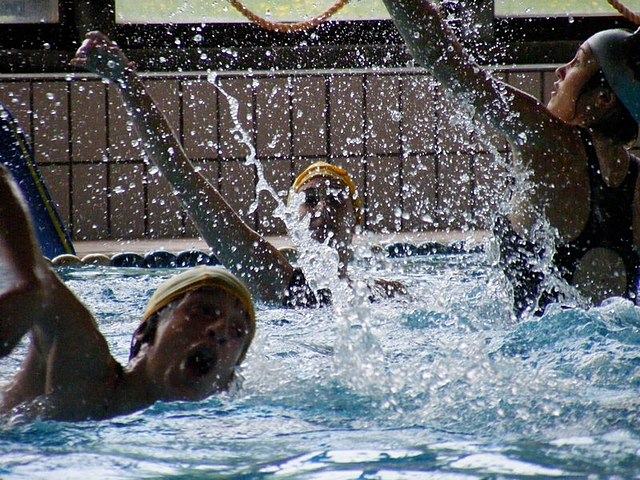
391	129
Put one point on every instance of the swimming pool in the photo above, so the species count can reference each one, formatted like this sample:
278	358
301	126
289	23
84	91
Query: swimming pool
444	384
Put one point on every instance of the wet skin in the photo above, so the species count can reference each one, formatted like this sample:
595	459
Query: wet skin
572	77
198	345
328	205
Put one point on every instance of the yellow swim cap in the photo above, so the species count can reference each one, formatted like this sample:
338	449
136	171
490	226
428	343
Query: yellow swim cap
195	278
324	169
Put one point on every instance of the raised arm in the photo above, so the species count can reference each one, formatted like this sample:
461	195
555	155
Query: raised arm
68	358
21	267
431	42
240	249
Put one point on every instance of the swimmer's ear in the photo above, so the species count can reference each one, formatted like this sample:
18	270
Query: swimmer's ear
145	334
605	99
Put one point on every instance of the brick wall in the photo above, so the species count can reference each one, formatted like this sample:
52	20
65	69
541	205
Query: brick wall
391	129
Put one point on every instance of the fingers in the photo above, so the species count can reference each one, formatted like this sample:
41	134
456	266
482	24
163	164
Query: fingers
94	41
80	59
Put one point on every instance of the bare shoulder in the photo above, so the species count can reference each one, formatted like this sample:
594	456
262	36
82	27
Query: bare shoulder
68	367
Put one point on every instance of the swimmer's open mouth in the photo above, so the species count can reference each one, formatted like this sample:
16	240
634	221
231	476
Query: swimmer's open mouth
201	361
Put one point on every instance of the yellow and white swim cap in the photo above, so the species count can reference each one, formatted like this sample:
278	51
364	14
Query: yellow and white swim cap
193	279
324	169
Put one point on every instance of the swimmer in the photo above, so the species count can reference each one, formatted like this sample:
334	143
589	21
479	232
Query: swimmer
333	209
585	181
332	203
194	334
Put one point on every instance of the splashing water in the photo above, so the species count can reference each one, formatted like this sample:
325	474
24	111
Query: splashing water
448	386
518	182
251	159
358	360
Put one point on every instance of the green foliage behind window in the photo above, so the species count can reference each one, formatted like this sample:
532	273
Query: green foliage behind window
537	8
206	11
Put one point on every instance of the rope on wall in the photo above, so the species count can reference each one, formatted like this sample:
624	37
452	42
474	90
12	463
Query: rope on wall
324	16
289	27
625	12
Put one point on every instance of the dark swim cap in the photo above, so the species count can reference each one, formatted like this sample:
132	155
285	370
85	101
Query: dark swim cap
617	52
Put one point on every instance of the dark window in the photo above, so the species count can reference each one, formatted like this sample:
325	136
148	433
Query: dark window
182	35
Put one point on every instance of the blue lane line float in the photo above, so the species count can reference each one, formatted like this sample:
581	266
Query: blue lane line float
17	156
401	249
127	259
154	259
192	258
160	259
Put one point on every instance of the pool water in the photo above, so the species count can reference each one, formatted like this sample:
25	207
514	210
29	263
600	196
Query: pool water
441	384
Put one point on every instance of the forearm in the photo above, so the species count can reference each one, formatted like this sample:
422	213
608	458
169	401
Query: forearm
427	36
432	43
239	248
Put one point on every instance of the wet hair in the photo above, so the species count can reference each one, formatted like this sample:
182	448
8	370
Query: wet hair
617	123
144	334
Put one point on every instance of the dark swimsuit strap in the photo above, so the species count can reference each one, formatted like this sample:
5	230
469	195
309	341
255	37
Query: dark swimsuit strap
299	293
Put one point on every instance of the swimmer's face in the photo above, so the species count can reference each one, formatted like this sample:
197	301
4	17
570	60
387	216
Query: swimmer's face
198	344
328	205
572	78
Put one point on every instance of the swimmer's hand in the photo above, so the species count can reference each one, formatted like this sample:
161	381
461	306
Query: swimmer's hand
100	55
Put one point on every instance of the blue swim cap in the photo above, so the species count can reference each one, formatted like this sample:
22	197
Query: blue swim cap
617	52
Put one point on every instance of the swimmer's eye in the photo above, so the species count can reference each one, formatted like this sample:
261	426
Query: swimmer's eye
333	197
201	362
311	198
241	331
206	310
337	198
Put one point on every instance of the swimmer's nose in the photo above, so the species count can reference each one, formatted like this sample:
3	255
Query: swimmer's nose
325	208
320	205
560	71
218	333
